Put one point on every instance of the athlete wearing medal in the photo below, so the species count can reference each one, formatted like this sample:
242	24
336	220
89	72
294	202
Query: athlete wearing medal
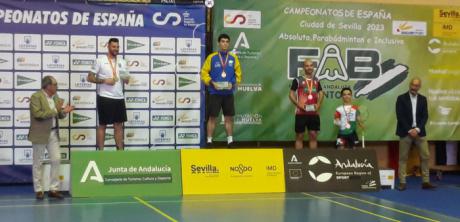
347	117
307	95
110	72
221	72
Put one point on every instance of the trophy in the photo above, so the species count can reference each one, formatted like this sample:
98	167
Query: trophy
124	74
222	85
310	108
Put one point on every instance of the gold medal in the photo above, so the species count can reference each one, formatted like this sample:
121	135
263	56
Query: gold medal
310	97
223	74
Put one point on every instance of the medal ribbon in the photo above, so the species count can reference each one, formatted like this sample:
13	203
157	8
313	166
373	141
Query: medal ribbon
114	68
224	65
346	114
309	85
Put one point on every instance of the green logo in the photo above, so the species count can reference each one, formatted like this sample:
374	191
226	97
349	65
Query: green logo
76	118
92	168
185	82
132	44
159	63
108	136
22	80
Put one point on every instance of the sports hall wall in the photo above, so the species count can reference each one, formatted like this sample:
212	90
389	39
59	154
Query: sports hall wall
162	44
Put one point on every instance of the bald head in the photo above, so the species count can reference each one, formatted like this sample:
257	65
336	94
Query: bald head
414	86
308	67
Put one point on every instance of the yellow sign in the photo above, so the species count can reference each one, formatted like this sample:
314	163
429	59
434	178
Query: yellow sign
446	23
222	171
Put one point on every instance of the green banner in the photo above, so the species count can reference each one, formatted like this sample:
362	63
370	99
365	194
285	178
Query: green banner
375	49
126	173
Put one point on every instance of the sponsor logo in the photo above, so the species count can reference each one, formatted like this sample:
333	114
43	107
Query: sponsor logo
204	169
295	174
3	60
22	137
6	43
92	170
55	63
130	44
159	63
103	44
28	43
51	43
3	138
81	44
189	64
352	164
161	100
184	117
108	136
82	62
79	136
162	117
251	87
23	62
172	17
242	19
23	99
371	184
272	170
132	99
77	118
163	45
83	83
162	137
246	119
159	82
23	118
185	82
414	28
445	111
136	63
185	100
77	100
27	154
134	82
434	46
136	119
324	176
22	80
5	118
294	160
241	169
243	49
188	46
187	135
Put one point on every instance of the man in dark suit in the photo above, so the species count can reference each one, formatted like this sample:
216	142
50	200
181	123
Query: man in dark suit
412	115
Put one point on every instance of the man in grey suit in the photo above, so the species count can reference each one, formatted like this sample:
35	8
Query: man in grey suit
45	109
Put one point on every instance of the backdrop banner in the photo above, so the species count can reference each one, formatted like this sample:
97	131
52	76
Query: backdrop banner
375	49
